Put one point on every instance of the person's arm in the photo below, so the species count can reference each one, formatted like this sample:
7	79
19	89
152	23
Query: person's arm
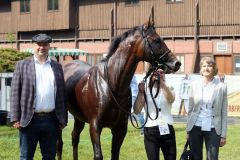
168	93
224	117
190	107
15	97
140	101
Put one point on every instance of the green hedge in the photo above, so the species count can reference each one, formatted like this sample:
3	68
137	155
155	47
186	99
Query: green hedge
9	57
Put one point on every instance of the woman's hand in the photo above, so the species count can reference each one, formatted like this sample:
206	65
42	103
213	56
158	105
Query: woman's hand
141	87
222	141
187	136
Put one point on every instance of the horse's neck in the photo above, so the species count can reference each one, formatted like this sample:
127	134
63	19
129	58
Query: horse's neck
121	68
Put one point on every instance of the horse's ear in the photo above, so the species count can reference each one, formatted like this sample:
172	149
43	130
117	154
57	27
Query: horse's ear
151	19
150	22
147	24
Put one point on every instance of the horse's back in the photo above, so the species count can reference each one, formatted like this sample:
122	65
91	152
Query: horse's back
73	72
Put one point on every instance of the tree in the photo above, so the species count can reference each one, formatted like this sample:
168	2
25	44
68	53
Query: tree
9	57
11	38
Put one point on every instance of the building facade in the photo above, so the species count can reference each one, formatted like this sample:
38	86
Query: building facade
190	28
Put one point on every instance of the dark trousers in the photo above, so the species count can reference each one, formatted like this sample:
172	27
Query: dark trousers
154	142
42	129
212	141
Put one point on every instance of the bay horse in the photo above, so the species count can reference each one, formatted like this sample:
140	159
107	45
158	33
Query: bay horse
101	95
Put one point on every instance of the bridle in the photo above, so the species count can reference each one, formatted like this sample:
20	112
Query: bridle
156	63
156	60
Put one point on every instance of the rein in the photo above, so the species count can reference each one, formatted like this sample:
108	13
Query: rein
111	90
155	65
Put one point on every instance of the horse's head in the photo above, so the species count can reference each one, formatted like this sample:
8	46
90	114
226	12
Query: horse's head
156	52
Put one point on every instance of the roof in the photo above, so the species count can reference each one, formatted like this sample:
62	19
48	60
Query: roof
60	52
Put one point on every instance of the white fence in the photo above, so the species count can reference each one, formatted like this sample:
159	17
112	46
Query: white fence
5	91
178	81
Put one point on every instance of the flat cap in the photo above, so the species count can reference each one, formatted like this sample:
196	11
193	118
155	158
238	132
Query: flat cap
42	37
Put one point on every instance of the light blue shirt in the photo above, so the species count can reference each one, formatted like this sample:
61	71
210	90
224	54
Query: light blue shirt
205	115
134	89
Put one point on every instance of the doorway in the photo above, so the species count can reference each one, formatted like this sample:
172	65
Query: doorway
224	64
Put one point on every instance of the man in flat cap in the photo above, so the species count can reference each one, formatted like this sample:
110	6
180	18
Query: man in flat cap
38	103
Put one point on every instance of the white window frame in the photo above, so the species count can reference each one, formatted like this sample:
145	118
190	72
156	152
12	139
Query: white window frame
93	59
181	58
174	1
222	47
236	66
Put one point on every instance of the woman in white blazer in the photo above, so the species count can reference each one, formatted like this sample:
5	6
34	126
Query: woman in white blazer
207	116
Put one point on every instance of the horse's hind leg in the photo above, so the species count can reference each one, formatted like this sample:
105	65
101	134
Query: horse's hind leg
118	134
59	145
77	129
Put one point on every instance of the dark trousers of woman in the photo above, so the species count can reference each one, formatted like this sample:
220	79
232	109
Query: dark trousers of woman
154	142
212	141
42	129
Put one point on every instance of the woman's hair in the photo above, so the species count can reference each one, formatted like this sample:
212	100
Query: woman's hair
209	60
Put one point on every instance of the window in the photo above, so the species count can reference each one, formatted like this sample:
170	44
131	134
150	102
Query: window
181	59
173	1
93	59
131	2
237	64
5	2
5	6
24	6
52	5
222	47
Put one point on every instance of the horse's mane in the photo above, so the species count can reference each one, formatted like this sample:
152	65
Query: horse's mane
117	40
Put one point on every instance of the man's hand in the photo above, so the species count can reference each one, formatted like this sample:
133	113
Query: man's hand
16	125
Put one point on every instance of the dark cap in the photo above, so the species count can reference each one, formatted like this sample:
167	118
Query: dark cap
42	37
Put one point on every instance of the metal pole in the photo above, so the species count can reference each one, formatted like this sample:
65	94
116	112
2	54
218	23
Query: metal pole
76	25
111	34
115	19
196	55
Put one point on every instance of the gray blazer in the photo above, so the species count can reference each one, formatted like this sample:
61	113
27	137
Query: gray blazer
219	108
23	93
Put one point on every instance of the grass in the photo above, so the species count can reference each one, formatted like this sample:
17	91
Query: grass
132	148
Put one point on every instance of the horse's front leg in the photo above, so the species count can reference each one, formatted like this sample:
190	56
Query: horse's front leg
118	134
95	131
77	129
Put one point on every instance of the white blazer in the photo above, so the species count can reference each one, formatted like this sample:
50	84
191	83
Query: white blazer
219	108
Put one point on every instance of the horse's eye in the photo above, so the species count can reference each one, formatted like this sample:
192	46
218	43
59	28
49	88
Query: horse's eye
158	40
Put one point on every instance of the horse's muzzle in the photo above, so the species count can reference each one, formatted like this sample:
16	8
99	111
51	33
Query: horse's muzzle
177	66
172	67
